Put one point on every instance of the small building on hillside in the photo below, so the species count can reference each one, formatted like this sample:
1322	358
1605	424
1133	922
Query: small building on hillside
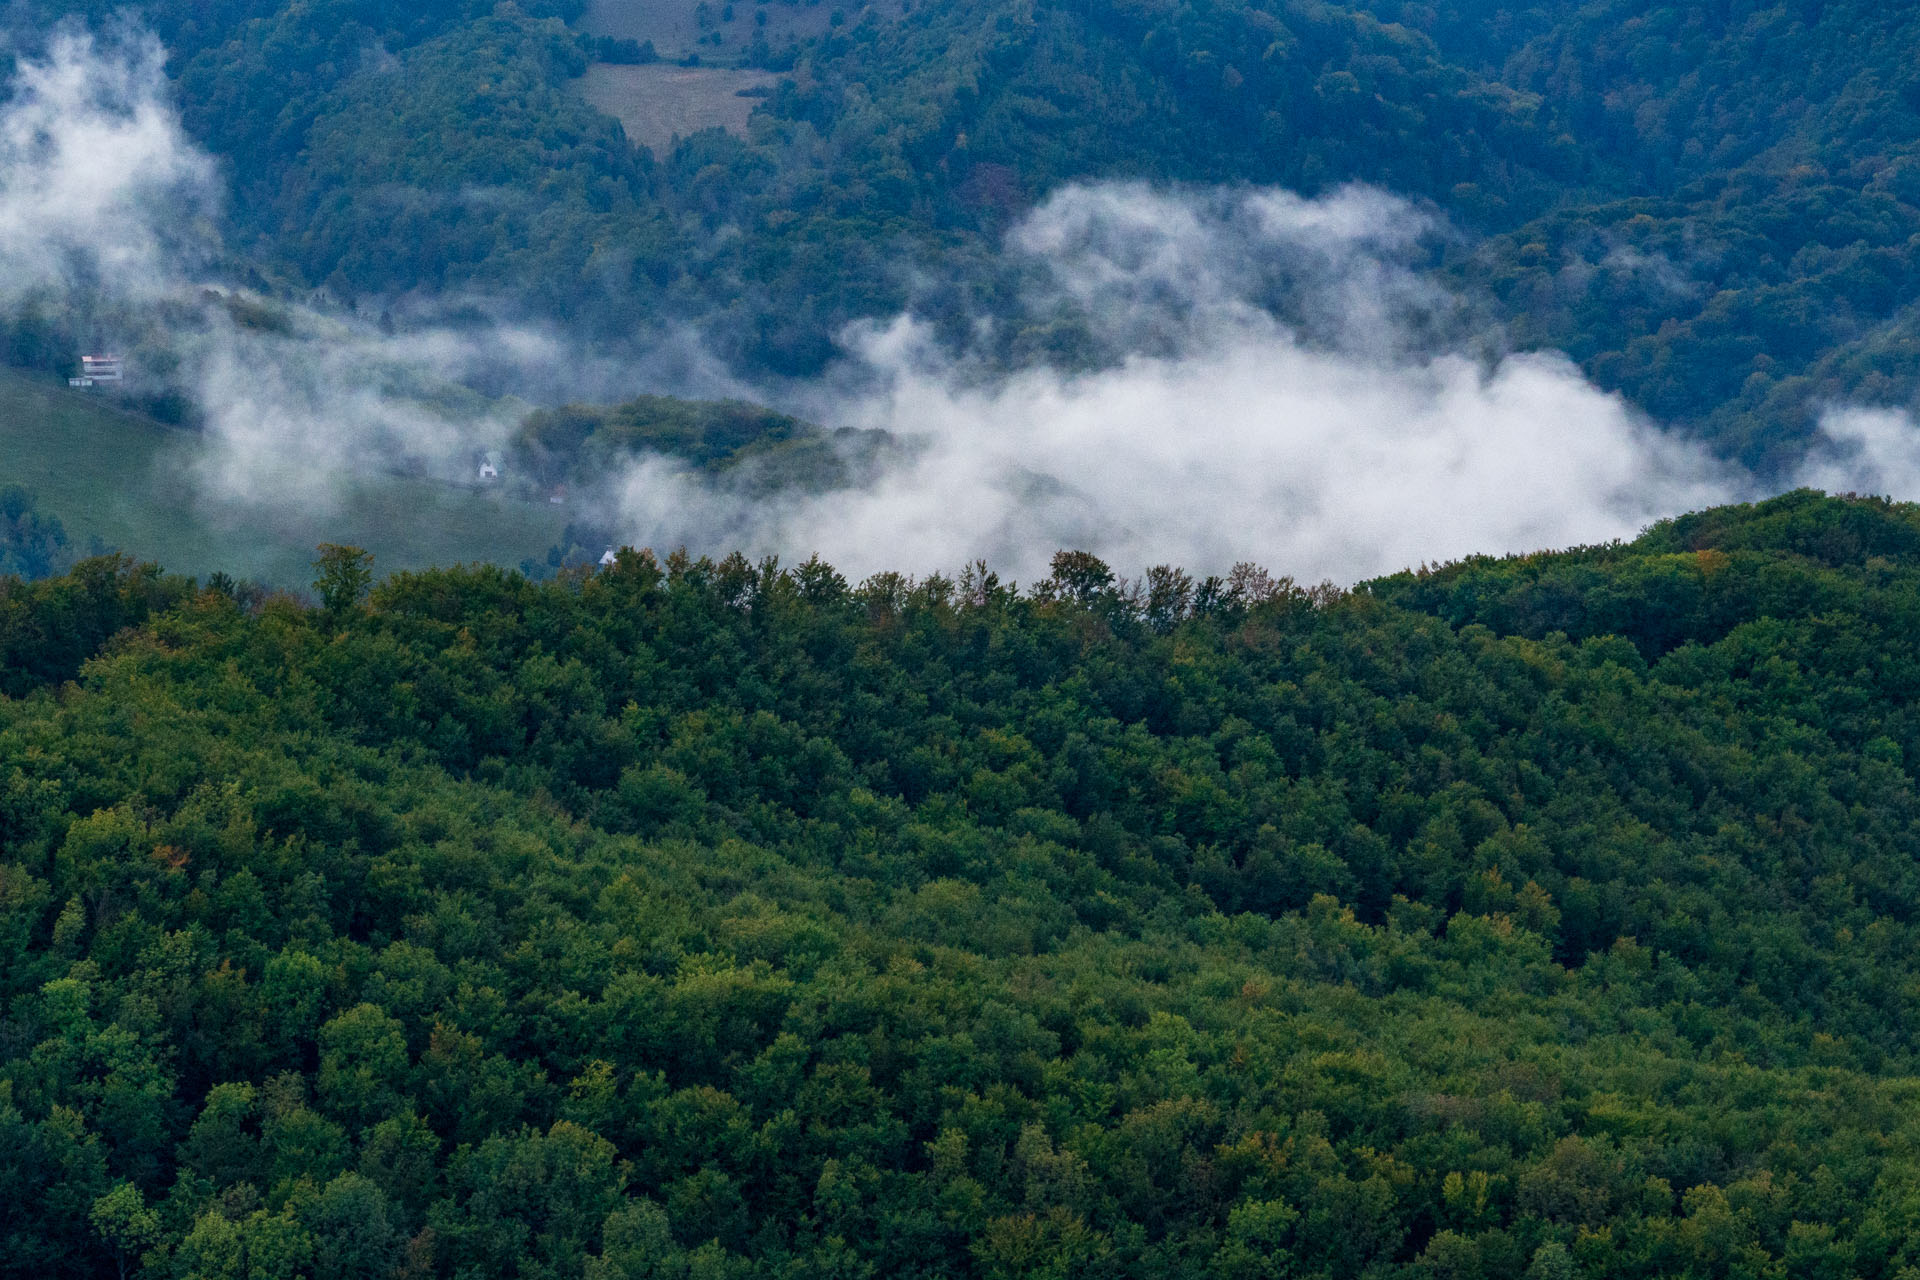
490	465
607	558
97	371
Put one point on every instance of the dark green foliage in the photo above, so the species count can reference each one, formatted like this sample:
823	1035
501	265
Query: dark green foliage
1763	263
1693	579
582	440
48	629
342	575
623	53
38	335
31	545
711	918
468	165
580	544
586	443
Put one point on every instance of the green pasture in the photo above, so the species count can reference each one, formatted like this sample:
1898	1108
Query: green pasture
125	481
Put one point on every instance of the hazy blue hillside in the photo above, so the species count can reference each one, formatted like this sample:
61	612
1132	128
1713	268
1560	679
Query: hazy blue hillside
1711	207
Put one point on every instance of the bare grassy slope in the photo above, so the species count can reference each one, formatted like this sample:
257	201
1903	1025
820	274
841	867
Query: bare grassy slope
123	479
660	102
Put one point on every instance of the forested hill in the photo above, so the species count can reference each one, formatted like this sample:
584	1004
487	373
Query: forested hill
1539	917
1713	207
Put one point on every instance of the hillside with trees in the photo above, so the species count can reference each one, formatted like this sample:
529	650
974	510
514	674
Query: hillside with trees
1542	917
1711	207
647	916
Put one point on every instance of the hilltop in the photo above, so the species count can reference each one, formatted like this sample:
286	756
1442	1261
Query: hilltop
1544	916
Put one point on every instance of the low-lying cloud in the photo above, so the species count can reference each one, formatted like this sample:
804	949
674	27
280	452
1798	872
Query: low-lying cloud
99	189
1864	451
1327	436
109	216
1314	463
1273	378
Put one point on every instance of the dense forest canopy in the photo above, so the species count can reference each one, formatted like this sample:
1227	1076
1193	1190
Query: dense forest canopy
1540	917
642	917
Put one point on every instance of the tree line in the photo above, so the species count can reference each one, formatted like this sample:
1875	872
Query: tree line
1540	917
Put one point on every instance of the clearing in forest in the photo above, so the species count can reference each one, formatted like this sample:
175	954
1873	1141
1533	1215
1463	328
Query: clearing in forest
117	478
659	102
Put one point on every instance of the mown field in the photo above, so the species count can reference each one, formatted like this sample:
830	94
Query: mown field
124	480
659	102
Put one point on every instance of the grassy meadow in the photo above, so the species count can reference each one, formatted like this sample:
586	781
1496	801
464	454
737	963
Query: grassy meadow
124	481
659	102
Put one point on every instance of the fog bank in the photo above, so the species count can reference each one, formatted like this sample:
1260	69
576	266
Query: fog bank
1275	379
1291	401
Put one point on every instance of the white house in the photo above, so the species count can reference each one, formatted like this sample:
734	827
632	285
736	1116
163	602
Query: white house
490	465
99	370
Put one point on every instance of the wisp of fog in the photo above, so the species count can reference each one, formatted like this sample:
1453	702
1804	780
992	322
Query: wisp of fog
98	187
1282	381
108	209
1332	440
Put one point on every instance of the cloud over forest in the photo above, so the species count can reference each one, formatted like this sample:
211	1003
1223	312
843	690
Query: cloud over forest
1280	380
1285	402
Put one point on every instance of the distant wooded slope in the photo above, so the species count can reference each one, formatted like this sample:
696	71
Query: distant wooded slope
1713	208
